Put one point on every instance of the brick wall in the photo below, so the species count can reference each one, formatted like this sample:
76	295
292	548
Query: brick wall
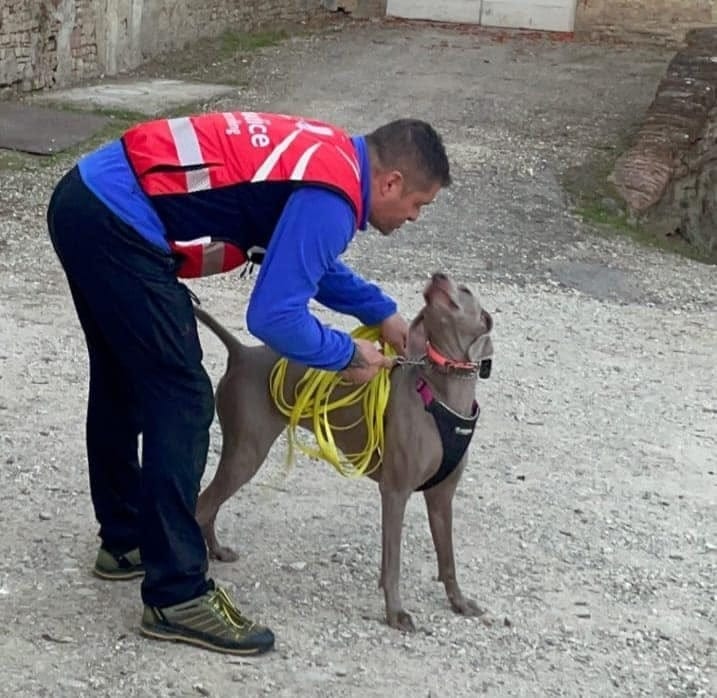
664	21
44	43
359	8
33	33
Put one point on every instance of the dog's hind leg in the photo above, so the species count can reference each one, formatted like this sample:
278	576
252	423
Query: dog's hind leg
242	456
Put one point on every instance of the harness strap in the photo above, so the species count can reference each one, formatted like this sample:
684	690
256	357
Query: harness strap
456	432
424	390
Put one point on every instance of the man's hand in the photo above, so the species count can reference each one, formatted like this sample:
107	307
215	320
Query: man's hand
367	361
394	331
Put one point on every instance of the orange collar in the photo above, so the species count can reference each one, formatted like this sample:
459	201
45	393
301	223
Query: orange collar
437	358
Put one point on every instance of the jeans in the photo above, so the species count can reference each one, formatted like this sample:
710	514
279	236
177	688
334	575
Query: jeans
146	376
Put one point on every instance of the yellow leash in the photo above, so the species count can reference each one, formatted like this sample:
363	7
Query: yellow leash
313	401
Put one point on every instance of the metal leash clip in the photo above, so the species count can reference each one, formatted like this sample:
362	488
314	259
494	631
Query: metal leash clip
403	361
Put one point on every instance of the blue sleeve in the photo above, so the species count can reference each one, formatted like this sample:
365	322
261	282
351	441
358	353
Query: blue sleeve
315	227
344	291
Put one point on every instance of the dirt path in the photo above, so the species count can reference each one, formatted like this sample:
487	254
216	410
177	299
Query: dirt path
587	514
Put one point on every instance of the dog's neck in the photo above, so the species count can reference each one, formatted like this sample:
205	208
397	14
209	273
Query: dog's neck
456	389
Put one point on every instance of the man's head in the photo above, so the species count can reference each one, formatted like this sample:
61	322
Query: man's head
408	167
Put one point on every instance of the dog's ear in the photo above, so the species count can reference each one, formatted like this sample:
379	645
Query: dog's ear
481	349
416	337
481	353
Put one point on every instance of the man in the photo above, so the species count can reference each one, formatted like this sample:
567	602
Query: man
193	196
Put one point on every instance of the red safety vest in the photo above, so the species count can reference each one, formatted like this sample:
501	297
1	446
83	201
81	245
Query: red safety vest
209	151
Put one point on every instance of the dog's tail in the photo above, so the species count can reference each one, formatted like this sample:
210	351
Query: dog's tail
227	338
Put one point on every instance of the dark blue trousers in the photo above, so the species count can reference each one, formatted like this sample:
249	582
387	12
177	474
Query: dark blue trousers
146	377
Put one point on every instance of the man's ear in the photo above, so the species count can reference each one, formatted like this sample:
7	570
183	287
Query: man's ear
392	182
416	337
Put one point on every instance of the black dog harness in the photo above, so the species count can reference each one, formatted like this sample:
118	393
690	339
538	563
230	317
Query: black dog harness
456	433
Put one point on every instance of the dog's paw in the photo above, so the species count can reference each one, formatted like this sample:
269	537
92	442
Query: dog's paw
223	554
400	620
468	607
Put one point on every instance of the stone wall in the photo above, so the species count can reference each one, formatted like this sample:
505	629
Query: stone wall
664	21
44	43
56	42
358	8
668	177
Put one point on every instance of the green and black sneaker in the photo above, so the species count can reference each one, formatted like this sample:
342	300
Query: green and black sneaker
211	621
113	566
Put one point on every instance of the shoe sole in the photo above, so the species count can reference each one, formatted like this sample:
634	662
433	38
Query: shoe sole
177	637
118	576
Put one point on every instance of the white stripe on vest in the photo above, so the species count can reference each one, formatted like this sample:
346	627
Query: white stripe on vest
300	168
189	153
268	165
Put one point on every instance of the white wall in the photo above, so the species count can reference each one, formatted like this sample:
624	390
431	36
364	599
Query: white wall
549	15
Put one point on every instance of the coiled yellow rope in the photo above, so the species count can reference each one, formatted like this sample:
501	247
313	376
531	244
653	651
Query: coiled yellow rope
313	400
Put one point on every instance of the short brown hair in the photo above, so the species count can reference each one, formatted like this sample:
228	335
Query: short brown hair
413	147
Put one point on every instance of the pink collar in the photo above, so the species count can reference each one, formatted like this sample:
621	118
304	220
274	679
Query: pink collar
438	359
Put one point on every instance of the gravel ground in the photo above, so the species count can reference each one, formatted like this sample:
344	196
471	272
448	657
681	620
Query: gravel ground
586	518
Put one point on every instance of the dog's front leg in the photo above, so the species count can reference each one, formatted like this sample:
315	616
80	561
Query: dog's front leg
439	503
393	507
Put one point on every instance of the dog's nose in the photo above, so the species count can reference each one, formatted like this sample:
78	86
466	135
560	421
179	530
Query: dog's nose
440	276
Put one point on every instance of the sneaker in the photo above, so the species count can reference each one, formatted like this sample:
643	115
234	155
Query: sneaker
211	621
125	566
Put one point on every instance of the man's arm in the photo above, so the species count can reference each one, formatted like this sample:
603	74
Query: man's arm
346	292
314	229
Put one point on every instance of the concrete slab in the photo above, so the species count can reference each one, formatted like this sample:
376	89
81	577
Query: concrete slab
598	280
44	131
149	97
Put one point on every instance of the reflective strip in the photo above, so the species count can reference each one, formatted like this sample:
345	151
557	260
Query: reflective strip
185	140
198	180
354	165
300	167
316	129
268	165
189	152
192	243
213	258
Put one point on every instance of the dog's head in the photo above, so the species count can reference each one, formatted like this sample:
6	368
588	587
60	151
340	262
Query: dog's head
454	323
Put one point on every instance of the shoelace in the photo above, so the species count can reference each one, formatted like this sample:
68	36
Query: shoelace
223	604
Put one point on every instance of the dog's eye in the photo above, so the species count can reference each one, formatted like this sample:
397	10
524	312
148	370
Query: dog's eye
465	289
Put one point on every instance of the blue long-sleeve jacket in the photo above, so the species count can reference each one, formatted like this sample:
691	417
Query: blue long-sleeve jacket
307	231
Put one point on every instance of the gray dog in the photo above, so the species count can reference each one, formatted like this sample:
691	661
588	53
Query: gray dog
429	423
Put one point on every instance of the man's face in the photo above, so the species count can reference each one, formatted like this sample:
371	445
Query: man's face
393	202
